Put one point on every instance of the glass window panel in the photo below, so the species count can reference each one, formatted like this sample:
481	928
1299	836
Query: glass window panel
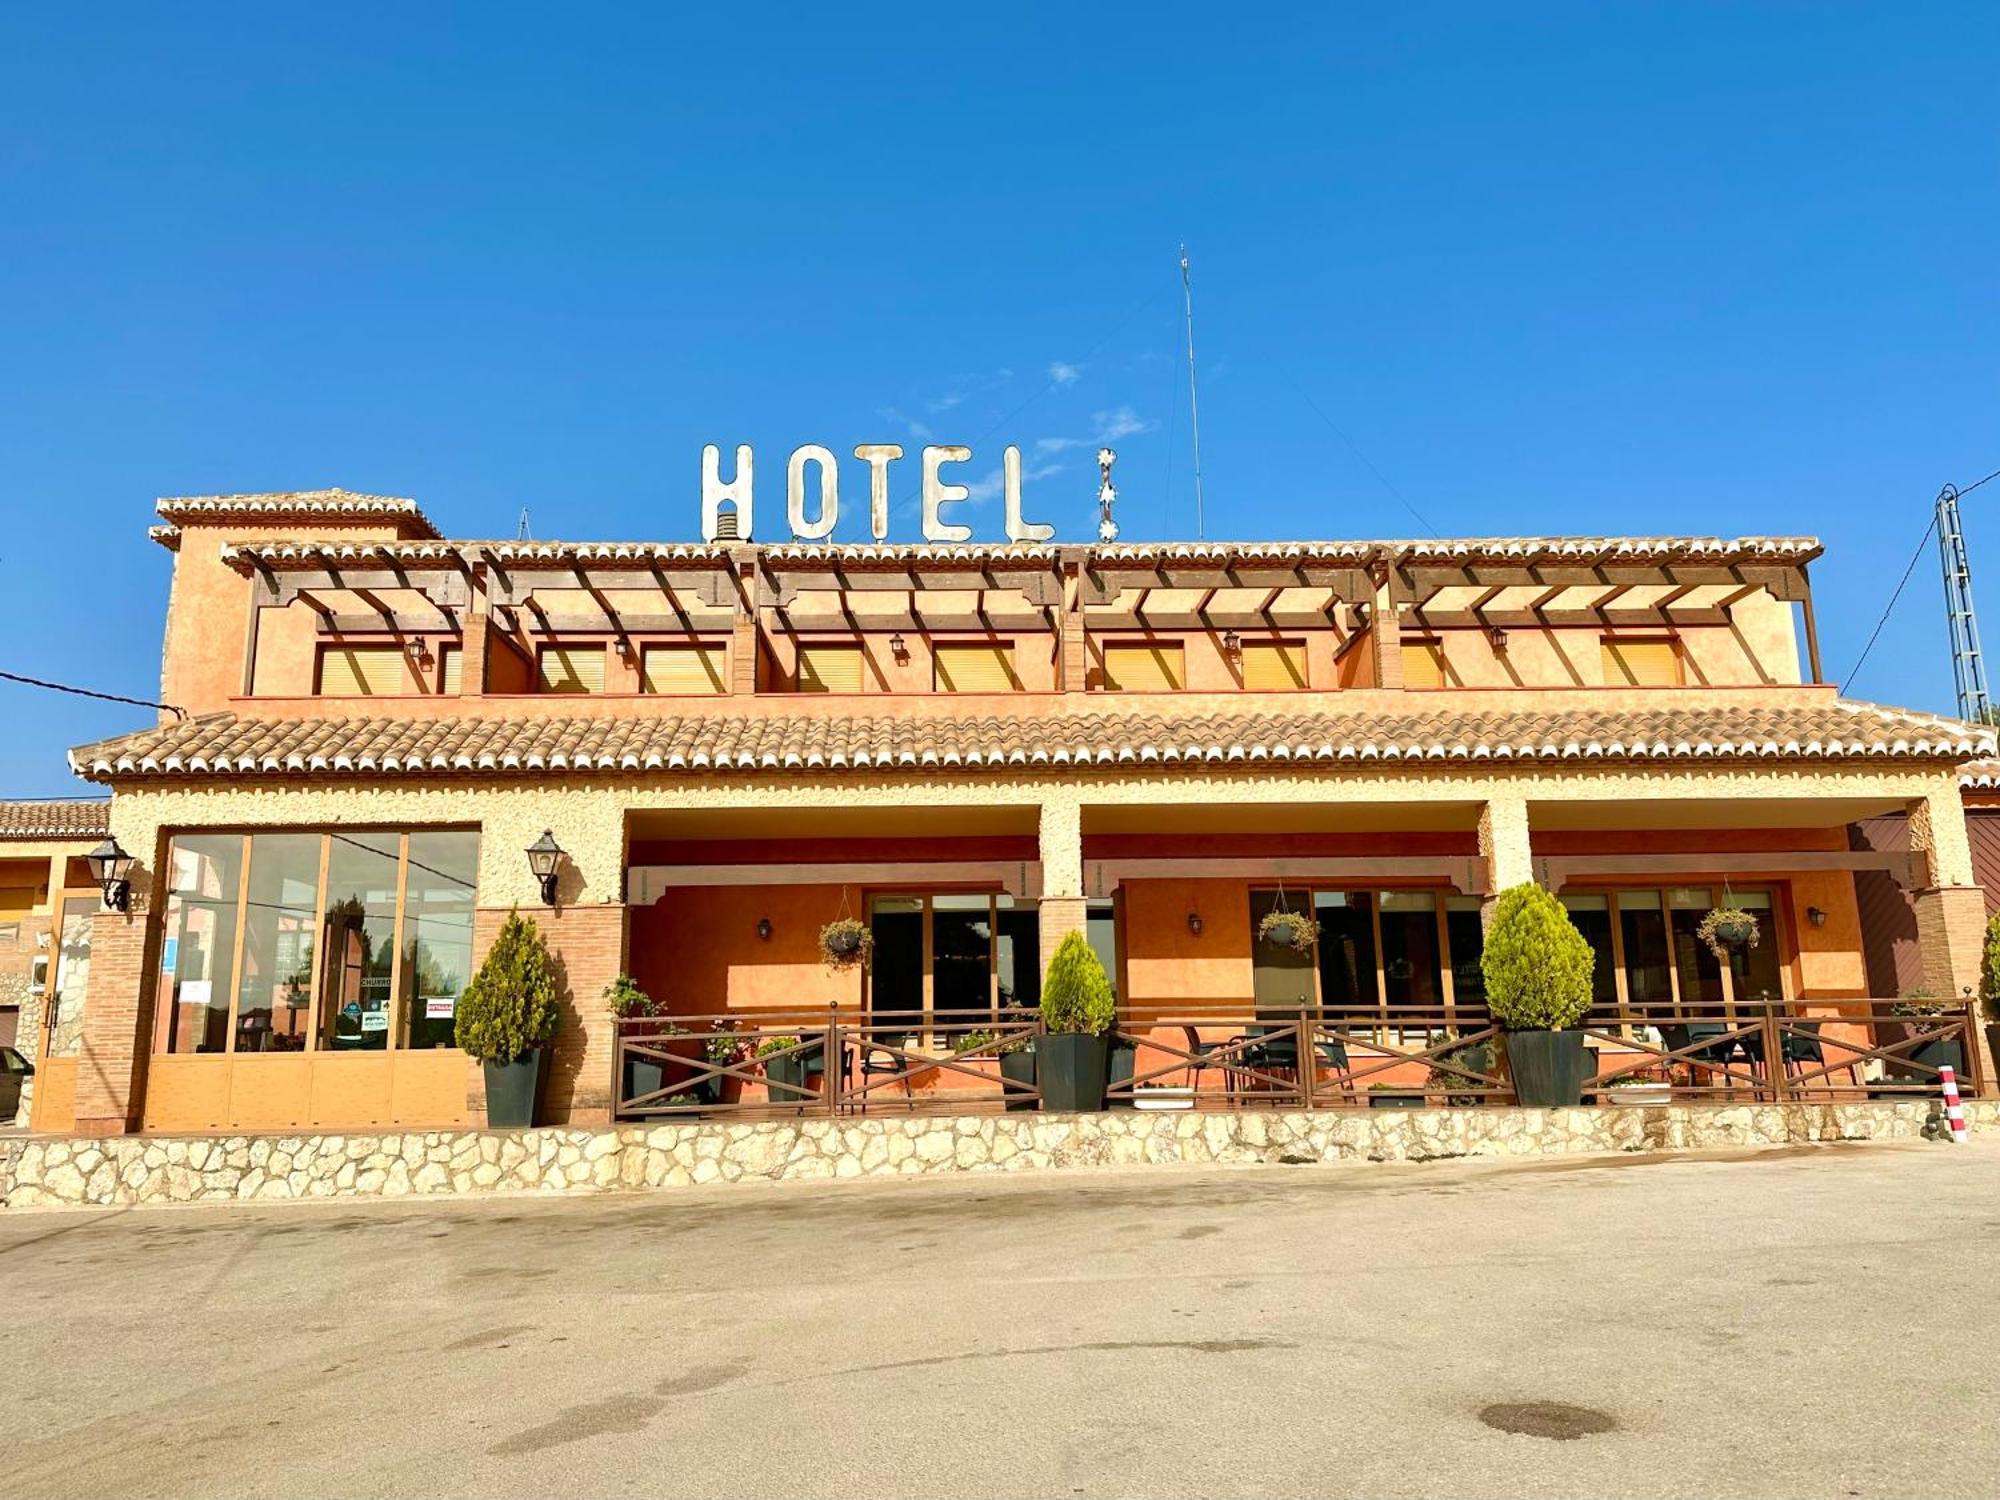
1018	956
1410	947
437	934
1465	932
274	995
1100	927
1591	916
896	968
961	953
1643	929
198	941
1346	947
1751	900
1757	976
360	941
1281	978
1690	898
1694	961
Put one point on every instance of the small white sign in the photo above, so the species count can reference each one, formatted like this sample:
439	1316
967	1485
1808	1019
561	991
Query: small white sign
195	992
374	1020
439	1007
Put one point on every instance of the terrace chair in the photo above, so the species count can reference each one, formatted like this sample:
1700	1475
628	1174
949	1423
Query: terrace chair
1801	1050
877	1061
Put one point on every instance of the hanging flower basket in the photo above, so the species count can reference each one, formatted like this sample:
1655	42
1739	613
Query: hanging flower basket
1728	930
844	943
1287	929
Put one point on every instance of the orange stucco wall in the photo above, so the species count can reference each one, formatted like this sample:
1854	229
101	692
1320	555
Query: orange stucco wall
697	952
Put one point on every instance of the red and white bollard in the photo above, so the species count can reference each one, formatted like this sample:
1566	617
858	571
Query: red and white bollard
1954	1112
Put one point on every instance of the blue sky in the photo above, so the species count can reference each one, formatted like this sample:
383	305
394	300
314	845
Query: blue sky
1468	270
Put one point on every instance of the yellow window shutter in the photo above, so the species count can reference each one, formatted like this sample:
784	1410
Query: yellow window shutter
363	672
571	669
977	669
1423	664
681	670
829	669
452	679
1274	666
1145	669
1641	663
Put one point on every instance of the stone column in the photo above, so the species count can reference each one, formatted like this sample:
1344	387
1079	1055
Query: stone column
1062	910
1951	907
1503	844
1385	628
1070	634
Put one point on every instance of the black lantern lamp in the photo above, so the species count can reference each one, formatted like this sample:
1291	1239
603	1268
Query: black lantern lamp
111	868
543	857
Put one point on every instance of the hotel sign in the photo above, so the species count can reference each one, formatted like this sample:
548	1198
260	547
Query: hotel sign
813	525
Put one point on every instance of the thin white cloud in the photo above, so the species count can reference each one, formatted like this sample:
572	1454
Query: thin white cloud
1118	423
916	429
1058	444
945	402
1065	374
992	485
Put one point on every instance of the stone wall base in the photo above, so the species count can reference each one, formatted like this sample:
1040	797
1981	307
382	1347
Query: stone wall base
54	1171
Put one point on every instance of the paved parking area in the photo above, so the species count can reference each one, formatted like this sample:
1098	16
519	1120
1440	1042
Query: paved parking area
1810	1322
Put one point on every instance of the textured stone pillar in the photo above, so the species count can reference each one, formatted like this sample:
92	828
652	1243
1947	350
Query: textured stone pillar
1503	844
1069	624
589	945
472	665
1061	838
1385	629
1951	910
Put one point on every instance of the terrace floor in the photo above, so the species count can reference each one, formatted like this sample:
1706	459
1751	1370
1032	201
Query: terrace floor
1803	1322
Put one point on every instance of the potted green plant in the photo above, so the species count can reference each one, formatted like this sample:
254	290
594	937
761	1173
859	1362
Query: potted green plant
1538	969
1449	1067
1989	984
1287	929
722	1050
783	1065
1728	930
628	1002
1078	1009
845	942
1918	1007
506	1017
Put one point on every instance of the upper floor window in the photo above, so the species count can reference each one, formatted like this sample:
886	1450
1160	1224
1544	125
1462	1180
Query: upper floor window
1424	664
1145	668
366	672
1274	666
682	670
829	669
1630	662
987	667
570	669
451	673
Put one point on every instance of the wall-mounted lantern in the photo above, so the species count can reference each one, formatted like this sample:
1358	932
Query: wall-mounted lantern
111	868
898	647
764	929
1496	637
544	855
1816	915
1194	923
1232	643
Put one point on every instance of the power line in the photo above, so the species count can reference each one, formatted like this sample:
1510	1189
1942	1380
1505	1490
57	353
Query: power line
1380	478
63	687
1887	609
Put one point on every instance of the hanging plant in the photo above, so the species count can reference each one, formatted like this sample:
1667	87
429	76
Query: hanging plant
845	942
1287	929
1727	930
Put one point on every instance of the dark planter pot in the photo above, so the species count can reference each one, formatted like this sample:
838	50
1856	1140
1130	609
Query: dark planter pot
1734	934
1395	1101
1122	1059
643	1076
512	1089
1070	1067
1549	1067
794	1068
1946	1052
1018	1066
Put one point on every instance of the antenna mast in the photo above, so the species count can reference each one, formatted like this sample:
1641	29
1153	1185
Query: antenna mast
1194	407
521	528
1968	668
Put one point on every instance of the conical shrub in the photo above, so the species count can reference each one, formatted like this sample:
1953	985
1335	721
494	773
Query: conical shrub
1537	965
1076	995
1989	970
509	1008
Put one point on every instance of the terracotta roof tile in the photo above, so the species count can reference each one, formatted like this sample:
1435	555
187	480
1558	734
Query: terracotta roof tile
224	746
304	506
60	818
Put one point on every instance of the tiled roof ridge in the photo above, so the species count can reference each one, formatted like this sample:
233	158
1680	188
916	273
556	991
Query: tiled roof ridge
318	504
54	817
223	745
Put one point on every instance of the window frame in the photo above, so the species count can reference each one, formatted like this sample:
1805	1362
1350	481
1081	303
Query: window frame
837	643
1609	641
1178	648
718	650
543	648
1005	650
162	996
924	1021
1281	645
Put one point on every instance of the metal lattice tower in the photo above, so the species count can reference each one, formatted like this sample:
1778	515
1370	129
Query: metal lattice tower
1968	667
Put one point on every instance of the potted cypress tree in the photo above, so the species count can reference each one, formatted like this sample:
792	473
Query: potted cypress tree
1989	984
628	1002
1078	1009
506	1017
1538	969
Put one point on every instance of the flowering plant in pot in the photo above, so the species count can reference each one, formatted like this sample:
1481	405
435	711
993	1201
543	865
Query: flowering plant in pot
640	1076
788	1062
1077	1008
506	1017
845	942
1287	929
1538	969
1728	930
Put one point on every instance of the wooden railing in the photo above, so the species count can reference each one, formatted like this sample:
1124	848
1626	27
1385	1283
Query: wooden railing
1237	1056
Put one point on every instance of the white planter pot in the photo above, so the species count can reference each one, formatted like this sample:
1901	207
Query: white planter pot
1639	1095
